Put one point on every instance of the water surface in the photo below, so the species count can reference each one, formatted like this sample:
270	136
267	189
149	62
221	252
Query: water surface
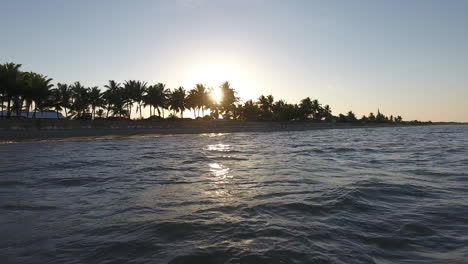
381	195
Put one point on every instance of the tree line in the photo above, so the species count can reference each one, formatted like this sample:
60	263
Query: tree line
29	92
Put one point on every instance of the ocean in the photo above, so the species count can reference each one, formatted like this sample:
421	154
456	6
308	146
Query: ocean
364	195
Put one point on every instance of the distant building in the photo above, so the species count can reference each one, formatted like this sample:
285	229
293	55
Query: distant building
37	115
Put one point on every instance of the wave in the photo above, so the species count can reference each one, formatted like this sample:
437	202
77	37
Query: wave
74	181
28	207
10	183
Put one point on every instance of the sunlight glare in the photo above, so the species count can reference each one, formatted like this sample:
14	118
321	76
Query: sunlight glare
217	95
214	74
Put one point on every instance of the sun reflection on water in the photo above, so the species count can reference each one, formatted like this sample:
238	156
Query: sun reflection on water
219	147
219	171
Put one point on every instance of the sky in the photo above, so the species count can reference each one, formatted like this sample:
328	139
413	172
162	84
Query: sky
407	58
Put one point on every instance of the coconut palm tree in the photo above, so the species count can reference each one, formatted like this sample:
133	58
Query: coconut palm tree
162	96
192	102
317	110
56	101
63	95
251	111
28	92
266	103
177	101
135	91
326	112
202	97
150	91
129	95
95	99
112	96
41	91
307	108
11	81
229	99
81	101
139	93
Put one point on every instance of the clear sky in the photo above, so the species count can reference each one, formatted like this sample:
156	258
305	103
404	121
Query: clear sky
404	57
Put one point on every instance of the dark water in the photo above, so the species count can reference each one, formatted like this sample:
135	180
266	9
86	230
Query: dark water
384	195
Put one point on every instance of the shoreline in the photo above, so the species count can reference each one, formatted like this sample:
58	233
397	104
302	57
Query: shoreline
17	131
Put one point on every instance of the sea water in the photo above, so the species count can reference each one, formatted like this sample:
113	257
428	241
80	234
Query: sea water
370	195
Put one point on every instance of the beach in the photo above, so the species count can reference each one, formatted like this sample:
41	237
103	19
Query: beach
36	130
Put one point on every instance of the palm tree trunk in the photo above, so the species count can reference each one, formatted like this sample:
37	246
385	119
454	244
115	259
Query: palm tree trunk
8	108
1	103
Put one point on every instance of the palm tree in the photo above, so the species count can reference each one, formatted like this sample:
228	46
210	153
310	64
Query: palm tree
11	80
202	97
56	101
135	91
63	94
129	95
81	100
251	111
326	112
307	108
192	101
41	93
150	91
229	99
28	92
266	104
177	101
162	95
111	96
156	97
139	93
317	110
95	99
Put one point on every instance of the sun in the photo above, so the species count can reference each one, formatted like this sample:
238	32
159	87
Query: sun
214	74
216	95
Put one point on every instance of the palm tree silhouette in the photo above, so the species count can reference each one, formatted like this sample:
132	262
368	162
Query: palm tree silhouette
114	98
95	100
41	87
177	101
228	100
81	100
202	100
24	91
192	101
11	82
160	98
64	96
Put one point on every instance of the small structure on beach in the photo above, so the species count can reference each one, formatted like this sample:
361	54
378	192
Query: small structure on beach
37	115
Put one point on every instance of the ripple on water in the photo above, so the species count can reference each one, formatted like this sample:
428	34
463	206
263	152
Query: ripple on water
387	195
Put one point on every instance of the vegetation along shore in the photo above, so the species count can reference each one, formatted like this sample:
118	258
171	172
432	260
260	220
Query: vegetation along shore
121	106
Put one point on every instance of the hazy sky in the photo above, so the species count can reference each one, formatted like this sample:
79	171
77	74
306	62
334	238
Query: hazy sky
404	57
